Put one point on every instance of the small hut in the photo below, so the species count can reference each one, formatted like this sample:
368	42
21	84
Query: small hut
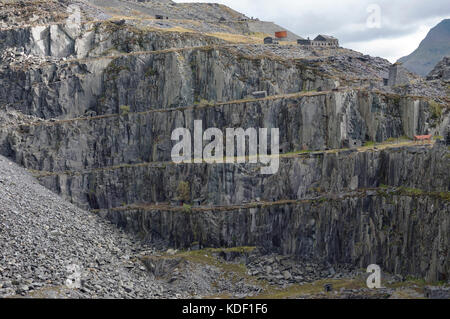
268	40
281	34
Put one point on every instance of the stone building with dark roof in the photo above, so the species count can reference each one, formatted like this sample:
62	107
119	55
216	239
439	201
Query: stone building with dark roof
320	41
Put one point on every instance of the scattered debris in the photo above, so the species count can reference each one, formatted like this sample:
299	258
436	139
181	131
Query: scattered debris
259	94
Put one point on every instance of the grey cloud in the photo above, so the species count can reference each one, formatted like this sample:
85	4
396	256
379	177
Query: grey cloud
345	19
397	19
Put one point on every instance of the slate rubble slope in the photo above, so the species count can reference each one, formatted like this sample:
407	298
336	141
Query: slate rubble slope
40	234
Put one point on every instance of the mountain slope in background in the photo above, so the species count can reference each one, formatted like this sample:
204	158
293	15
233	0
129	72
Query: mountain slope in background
431	50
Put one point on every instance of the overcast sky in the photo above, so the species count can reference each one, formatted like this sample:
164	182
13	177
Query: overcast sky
398	31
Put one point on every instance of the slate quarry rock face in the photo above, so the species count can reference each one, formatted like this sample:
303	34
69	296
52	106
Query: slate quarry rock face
90	111
441	70
354	230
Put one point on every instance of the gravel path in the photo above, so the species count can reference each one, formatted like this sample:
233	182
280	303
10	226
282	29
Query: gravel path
40	235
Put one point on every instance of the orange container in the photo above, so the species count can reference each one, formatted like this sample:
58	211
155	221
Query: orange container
281	34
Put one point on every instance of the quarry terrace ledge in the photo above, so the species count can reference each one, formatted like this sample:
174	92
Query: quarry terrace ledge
56	121
286	156
380	191
112	19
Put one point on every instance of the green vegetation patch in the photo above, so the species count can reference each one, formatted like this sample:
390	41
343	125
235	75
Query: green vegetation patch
435	109
124	109
369	143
